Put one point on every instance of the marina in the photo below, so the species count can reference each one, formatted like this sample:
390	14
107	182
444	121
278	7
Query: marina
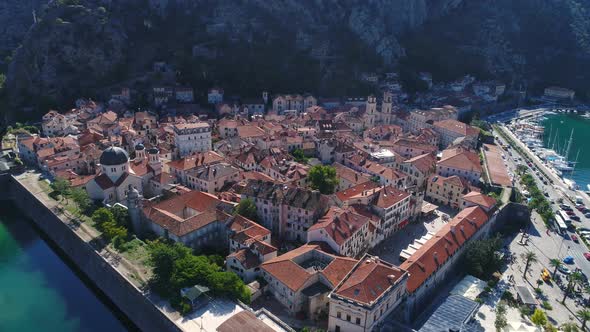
557	138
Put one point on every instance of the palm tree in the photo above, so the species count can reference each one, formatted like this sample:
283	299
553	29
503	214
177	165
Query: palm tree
573	280
529	257
570	327
584	316
556	263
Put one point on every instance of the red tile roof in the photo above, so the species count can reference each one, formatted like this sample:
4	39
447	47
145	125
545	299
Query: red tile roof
197	160
172	215
287	271
461	159
457	127
389	196
480	199
340	224
370	278
446	242
424	163
363	189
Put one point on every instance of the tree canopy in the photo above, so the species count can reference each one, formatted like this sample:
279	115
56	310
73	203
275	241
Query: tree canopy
246	208
480	257
323	178
539	317
176	267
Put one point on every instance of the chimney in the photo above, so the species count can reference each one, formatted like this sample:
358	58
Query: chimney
391	278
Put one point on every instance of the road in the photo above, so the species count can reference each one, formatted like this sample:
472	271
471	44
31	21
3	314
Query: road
567	246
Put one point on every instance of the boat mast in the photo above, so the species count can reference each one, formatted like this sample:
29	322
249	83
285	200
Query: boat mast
549	140
555	140
576	162
569	145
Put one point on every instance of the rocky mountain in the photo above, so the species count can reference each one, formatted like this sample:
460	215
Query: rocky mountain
320	46
16	17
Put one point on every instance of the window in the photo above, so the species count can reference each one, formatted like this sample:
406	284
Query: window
348	318
338	314
337	328
358	321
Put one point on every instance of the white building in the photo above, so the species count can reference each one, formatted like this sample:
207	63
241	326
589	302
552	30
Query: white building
115	179
215	96
56	124
249	246
192	137
299	103
370	292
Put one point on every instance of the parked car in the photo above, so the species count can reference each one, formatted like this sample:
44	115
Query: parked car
568	260
587	255
574	238
570	213
565	207
574	217
563	269
587	214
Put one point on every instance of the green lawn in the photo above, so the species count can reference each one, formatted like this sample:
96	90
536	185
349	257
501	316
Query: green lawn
45	186
135	251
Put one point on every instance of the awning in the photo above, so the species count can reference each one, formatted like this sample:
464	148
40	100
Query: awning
428	207
404	223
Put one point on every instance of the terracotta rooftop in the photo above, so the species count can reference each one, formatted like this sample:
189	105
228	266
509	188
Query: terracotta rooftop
186	213
461	159
197	160
340	224
389	196
445	243
287	269
424	163
457	127
369	279
480	199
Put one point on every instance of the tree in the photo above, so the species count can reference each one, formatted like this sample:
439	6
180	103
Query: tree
102	216
246	208
584	316
501	320
81	198
121	215
556	263
569	327
162	257
573	280
61	187
299	156
529	257
539	317
480	259
323	178
550	328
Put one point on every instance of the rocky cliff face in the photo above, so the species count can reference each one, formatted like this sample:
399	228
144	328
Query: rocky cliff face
293	45
16	17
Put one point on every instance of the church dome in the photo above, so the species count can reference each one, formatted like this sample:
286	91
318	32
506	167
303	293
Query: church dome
113	156
139	147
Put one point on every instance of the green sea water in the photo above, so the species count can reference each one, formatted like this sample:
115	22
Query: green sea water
561	125
38	291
